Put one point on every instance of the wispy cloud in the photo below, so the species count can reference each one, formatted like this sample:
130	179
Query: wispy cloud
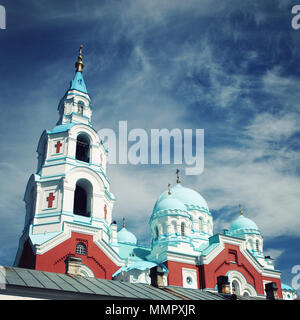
230	68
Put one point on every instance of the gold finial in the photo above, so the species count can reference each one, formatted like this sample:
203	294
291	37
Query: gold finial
177	173
241	211
123	222
169	188
79	64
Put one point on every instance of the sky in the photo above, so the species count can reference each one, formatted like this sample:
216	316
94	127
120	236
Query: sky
230	67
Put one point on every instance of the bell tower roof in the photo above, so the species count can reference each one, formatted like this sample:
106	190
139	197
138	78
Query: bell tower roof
75	106
78	82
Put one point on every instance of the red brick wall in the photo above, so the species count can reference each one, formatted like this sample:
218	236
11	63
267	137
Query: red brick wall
175	272
54	259
222	264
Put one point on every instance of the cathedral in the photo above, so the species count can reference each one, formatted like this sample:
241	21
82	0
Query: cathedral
69	220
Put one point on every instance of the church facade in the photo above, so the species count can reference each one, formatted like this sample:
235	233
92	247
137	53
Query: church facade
69	214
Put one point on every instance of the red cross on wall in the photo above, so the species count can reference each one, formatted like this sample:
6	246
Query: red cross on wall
105	212
58	146
50	199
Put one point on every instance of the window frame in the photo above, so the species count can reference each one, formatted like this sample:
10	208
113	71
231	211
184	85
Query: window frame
81	249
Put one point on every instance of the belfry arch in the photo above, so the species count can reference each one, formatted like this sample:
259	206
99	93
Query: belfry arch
83	148
83	195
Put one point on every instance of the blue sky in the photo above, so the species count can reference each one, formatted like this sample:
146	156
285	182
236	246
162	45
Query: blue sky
229	67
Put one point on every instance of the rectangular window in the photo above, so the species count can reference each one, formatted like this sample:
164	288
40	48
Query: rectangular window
232	256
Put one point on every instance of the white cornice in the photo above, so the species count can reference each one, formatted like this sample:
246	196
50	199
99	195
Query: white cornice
248	256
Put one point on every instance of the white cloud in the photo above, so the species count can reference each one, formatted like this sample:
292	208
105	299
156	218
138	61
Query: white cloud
269	127
141	92
274	253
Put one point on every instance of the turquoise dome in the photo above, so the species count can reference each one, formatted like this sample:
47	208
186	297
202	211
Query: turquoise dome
170	203
126	236
286	287
243	225
190	198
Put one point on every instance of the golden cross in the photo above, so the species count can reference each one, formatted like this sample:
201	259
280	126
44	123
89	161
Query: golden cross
169	190
80	50
241	211
123	222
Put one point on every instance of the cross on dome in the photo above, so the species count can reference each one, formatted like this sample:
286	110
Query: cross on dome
169	188
241	211
79	64
177	173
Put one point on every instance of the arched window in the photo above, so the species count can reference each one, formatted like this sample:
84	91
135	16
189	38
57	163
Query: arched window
83	198
174	224
200	225
81	248
235	287
156	233
80	106
182	229
83	148
250	244
257	245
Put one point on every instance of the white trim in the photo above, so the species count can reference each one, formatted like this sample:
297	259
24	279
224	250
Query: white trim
244	286
85	271
189	273
241	243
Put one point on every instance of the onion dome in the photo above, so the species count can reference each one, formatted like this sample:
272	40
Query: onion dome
243	225
125	236
190	198
169	206
170	203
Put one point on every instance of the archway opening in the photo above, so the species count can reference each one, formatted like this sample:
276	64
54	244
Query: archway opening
83	148
80	106
235	287
83	198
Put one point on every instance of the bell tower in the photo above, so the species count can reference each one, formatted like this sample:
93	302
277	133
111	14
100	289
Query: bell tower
68	199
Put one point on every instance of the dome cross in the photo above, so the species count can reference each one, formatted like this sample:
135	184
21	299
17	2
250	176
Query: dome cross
241	211
79	64
178	178
169	188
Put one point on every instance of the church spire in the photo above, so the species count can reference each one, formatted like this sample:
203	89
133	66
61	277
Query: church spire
78	82
75	106
79	64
